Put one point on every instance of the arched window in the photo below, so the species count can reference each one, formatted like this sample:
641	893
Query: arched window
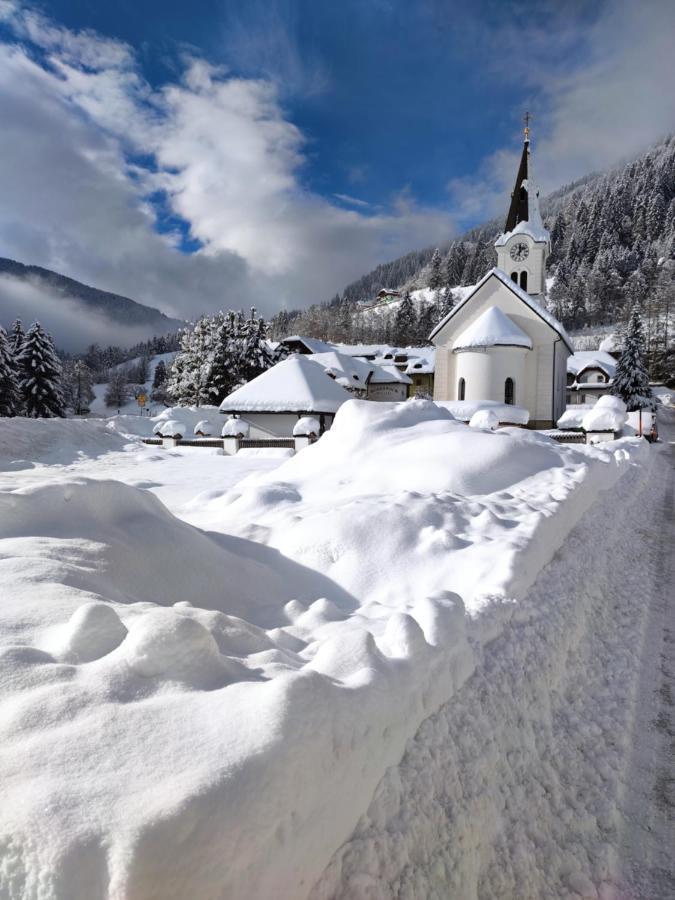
461	389
514	277
523	280
509	392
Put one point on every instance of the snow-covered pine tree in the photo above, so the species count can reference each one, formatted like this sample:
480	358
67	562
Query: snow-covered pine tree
405	322
40	375
631	381
117	392
190	383
435	271
160	375
445	303
16	338
10	399
426	320
78	387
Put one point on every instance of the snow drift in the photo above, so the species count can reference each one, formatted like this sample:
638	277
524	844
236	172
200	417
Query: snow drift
192	713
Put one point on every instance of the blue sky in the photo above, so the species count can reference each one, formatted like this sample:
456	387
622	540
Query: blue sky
390	96
213	154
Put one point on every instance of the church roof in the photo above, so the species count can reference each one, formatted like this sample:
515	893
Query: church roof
491	329
519	292
524	215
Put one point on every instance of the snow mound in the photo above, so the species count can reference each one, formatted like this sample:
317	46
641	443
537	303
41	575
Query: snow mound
307	425
234	427
93	631
603	419
172	428
611	402
465	409
25	443
485	418
203	427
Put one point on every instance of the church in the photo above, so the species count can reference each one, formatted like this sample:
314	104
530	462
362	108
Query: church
500	343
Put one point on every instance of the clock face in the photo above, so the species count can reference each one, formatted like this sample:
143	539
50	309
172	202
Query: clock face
519	251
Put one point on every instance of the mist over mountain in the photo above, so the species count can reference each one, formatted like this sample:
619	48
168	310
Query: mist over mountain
75	314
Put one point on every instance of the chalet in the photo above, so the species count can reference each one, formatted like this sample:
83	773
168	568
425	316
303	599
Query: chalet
386	295
500	343
590	374
272	403
298	344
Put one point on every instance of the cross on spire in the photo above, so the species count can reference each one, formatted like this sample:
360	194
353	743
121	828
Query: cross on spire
526	120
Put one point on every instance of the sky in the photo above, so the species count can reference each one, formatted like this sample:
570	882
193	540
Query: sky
225	154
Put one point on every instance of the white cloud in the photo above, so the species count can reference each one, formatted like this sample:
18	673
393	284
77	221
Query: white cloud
75	197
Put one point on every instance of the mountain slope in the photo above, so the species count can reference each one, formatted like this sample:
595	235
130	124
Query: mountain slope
612	244
57	292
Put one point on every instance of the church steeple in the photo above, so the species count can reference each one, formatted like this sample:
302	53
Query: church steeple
519	211
523	247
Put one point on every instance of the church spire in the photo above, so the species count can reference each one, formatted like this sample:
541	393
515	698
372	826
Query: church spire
519	211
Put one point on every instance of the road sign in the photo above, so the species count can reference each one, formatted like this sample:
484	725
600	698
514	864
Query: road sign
141	399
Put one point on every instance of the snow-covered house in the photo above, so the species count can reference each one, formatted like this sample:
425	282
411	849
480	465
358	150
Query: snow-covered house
273	402
296	343
374	380
590	374
499	342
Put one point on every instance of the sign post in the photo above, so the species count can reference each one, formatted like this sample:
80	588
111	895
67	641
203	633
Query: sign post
141	399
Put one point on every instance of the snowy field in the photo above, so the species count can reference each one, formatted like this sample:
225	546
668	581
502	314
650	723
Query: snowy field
402	663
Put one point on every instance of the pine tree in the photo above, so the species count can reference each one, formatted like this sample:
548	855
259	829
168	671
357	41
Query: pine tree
435	274
631	381
16	338
426	320
117	393
10	399
78	387
160	375
40	375
405	322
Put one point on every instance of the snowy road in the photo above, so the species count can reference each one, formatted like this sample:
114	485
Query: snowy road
550	774
650	808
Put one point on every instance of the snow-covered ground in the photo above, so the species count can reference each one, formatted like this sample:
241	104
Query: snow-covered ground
210	691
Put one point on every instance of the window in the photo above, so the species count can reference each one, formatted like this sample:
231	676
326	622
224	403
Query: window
523	280
461	389
509	392
514	277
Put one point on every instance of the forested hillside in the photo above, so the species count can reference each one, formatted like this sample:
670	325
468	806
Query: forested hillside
613	244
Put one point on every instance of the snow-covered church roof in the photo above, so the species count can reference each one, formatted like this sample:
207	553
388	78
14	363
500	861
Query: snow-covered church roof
492	328
519	292
297	384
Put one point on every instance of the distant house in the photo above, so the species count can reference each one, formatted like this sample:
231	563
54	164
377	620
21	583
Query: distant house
420	369
386	295
273	402
298	344
590	374
368	379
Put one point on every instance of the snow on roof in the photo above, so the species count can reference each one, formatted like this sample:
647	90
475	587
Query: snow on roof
423	364
535	230
591	359
353	370
297	384
490	329
313	344
385	374
519	292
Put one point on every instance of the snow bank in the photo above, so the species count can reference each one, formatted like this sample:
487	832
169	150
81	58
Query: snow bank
465	409
572	418
187	713
25	443
485	418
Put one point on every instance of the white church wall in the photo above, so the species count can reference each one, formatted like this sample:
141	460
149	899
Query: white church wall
485	373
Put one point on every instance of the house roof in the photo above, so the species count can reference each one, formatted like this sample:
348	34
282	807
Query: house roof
591	359
386	374
527	299
297	384
492	328
313	345
355	371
